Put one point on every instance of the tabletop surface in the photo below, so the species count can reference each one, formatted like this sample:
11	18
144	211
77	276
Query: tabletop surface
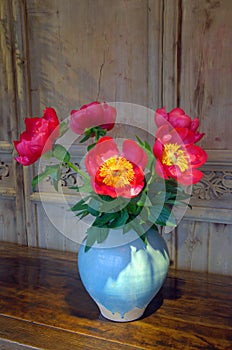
43	305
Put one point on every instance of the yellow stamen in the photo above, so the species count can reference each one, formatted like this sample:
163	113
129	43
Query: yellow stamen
174	155
117	172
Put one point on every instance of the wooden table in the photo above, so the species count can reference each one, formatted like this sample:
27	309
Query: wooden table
44	305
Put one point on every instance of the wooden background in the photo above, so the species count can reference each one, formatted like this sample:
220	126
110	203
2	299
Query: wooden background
152	53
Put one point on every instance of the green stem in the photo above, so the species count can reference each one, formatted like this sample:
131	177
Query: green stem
74	167
152	175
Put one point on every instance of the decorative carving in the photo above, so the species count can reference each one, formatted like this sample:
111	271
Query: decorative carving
70	178
4	170
213	185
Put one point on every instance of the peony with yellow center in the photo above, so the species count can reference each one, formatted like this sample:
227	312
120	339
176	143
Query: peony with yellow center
173	154
177	160
116	174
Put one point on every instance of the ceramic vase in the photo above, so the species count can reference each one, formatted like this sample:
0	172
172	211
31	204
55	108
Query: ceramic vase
123	274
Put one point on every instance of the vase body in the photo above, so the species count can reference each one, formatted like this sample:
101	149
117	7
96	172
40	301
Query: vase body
123	274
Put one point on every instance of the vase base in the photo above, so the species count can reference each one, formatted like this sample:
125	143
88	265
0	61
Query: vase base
129	316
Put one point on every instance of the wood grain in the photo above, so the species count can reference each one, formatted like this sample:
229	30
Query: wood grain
7	91
206	57
149	52
42	303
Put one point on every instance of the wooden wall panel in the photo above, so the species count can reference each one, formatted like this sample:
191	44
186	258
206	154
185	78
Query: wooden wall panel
203	246
51	235
86	50
205	63
8	220
11	175
7	91
152	53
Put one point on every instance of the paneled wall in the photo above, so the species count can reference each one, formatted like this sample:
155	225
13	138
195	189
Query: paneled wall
149	52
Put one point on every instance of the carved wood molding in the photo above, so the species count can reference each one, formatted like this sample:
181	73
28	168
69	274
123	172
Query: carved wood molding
6	147
214	185
70	178
4	170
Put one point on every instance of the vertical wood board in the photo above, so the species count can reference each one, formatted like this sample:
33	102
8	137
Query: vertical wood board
87	50
206	74
7	87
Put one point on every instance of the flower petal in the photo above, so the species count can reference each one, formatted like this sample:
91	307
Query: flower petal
104	149
53	122
194	124
38	138
173	171
197	156
161	116
109	114
128	191
163	131
179	135
190	177
92	115
159	169
182	135
134	153
83	119
158	149
90	104
178	119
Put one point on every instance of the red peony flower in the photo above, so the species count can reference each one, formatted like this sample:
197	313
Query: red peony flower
91	115
178	119
176	160
38	138
116	174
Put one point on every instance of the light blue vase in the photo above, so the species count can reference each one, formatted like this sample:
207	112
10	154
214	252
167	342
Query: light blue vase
123	274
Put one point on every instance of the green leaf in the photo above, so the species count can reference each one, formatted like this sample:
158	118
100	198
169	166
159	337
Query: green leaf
82	214
165	218
99	132
104	219
87	134
126	228
80	205
55	175
51	170
60	153
136	224
154	227
102	234
91	238
95	234
147	146
142	199
157	199
140	142
94	207
154	213
132	208
120	220
108	204
91	146
96	131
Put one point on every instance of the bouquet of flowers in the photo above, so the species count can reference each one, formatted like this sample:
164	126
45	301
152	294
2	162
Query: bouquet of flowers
132	185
